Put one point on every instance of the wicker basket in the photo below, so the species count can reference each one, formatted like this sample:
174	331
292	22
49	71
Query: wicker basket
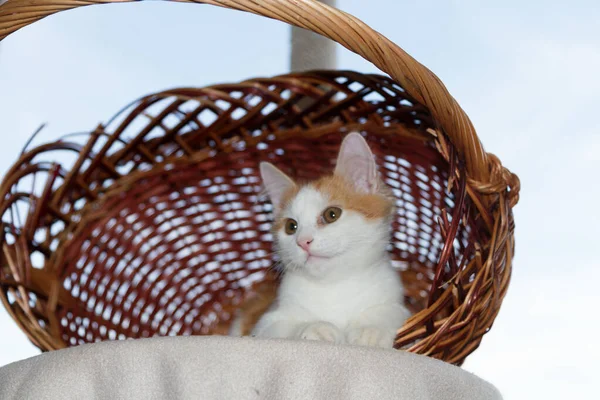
154	226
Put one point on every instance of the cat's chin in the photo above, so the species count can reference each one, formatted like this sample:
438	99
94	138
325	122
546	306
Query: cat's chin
315	266
318	266
313	259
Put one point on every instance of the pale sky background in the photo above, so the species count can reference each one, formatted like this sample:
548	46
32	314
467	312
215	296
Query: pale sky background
526	72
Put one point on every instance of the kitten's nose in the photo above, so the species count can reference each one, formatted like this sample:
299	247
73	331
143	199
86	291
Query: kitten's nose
304	243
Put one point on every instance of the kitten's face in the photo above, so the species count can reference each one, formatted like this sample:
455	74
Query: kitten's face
323	232
335	223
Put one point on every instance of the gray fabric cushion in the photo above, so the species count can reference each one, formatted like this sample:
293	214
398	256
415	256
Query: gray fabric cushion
235	368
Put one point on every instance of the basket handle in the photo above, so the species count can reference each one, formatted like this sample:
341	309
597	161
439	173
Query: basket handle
424	86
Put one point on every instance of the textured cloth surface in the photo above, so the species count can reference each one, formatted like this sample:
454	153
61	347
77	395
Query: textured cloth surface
235	368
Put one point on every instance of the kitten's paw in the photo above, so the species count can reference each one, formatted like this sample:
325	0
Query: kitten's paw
371	336
323	331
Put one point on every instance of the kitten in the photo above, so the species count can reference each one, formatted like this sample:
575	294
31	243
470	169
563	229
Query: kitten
338	284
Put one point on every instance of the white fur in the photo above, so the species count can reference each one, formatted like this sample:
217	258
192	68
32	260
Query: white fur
349	293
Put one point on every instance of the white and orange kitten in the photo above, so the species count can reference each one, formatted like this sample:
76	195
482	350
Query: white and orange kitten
338	284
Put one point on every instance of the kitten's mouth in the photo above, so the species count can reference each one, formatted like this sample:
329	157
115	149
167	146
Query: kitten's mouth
312	257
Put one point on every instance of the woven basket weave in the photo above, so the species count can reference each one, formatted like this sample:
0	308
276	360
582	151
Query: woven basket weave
152	224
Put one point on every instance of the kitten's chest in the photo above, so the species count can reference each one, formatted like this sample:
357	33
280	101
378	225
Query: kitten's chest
340	302
341	306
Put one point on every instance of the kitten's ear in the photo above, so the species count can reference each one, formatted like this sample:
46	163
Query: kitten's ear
276	183
356	163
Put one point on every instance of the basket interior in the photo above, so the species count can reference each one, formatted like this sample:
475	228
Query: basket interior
176	251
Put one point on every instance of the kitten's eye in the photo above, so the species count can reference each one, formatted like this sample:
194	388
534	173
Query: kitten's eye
332	214
291	226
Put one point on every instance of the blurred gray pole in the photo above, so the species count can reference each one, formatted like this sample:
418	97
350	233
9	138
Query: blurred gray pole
312	51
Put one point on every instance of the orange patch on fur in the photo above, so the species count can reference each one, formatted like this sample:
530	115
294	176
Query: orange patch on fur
254	305
285	200
342	193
